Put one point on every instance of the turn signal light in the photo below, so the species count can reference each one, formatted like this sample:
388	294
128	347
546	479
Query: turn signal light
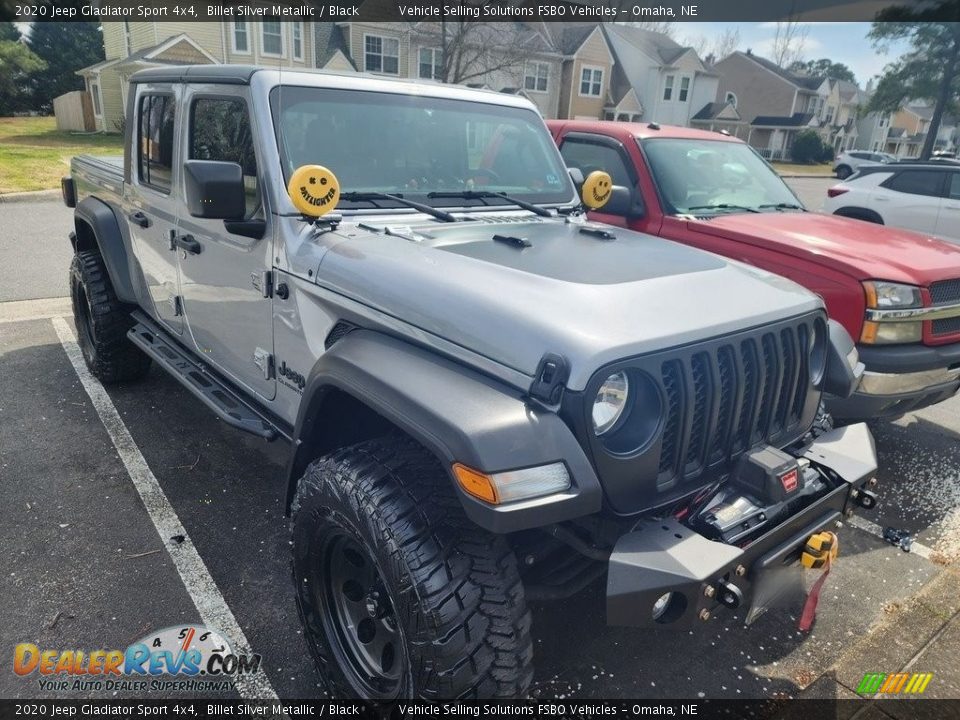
476	483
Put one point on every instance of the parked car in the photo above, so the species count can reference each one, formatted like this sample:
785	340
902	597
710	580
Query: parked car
487	397
943	155
923	197
896	292
849	161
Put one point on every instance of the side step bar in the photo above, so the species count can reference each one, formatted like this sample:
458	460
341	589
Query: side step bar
213	393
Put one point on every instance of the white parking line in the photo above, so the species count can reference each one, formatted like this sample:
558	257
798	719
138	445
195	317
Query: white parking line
200	585
874	529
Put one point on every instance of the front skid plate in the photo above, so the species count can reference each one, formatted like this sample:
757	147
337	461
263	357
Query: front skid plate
663	556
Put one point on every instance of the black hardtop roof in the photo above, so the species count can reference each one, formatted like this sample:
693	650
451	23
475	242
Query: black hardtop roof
226	74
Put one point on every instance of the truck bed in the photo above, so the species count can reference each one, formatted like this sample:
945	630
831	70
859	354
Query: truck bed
98	174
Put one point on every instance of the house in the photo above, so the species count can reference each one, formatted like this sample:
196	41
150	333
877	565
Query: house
873	129
587	64
776	103
840	114
657	79
133	46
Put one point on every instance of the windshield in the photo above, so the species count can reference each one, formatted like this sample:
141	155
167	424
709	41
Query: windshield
412	145
695	176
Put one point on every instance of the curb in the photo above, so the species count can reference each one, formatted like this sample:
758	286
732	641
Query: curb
801	175
31	196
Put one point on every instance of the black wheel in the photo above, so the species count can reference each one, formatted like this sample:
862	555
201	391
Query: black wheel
400	595
102	323
843	172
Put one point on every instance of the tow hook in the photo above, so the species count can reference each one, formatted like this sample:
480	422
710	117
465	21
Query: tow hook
865	499
729	594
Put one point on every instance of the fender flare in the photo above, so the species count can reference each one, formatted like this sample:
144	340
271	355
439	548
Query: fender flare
458	414
859	213
105	225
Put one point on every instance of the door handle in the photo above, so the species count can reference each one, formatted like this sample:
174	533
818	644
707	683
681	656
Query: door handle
188	243
138	218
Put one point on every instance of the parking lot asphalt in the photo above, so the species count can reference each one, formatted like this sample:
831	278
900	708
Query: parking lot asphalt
85	566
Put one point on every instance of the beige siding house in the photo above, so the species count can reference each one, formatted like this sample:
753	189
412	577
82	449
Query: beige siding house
133	46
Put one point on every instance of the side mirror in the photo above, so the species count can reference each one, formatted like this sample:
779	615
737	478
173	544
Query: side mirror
623	202
214	189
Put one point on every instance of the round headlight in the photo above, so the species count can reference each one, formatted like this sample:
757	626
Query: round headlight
610	402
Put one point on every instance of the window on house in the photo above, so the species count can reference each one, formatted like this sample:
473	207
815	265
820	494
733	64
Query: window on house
241	36
830	111
668	87
155	141
732	99
271	37
297	35
381	55
95	94
535	76
431	63
591	82
220	130
684	89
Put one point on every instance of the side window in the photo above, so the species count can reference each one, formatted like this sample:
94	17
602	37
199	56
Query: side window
955	186
588	156
916	182
155	141
220	130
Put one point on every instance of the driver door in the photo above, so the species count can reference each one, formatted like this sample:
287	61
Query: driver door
224	265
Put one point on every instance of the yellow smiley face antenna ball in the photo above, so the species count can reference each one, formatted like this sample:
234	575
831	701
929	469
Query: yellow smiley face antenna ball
314	190
596	189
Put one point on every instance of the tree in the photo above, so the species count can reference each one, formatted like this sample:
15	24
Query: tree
716	47
65	47
930	70
788	42
472	51
17	64
824	67
9	31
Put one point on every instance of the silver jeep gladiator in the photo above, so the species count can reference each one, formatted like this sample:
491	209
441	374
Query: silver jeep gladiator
489	400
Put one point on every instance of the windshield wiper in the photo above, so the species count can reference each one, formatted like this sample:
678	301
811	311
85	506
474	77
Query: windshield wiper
483	194
372	196
783	206
724	206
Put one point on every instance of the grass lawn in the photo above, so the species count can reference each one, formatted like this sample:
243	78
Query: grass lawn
785	168
34	155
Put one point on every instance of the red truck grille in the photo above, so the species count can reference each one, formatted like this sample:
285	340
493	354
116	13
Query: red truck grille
945	292
721	402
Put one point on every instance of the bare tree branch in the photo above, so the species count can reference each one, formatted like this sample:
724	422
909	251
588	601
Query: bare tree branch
789	42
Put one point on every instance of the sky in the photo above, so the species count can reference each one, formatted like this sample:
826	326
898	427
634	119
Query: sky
841	42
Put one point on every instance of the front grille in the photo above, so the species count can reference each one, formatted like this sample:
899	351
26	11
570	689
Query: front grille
721	401
945	292
947	326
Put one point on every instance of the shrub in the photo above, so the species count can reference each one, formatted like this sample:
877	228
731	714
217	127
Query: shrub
807	147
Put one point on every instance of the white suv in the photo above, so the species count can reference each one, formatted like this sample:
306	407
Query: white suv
849	161
914	196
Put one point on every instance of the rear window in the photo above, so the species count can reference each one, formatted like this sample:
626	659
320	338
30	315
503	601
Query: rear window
917	182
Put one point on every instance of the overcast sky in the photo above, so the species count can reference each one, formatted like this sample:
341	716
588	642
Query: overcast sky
841	42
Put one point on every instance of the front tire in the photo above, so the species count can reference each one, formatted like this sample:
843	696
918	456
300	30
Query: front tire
102	323
401	596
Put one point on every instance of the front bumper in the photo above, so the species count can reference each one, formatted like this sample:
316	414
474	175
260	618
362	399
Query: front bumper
900	379
664	556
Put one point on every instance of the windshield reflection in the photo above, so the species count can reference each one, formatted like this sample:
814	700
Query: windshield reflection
714	176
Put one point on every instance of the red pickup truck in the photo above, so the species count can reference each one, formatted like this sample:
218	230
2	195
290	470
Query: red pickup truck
895	291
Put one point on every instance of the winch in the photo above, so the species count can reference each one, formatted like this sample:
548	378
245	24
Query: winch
766	485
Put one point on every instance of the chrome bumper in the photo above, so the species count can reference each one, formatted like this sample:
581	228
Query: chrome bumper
875	383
